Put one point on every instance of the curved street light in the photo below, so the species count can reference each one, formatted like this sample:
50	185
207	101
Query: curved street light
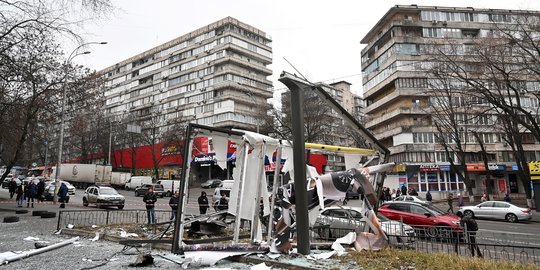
72	55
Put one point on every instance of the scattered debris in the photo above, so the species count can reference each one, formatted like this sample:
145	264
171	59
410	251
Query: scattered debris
8	257
95	238
143	260
39	245
31	238
260	266
70	226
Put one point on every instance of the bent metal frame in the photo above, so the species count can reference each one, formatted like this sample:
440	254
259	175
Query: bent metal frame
296	86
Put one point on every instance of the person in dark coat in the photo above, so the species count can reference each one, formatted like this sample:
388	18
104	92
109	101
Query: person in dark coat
32	193
203	203
507	198
223	202
40	190
63	195
429	198
173	203
12	188
471	227
20	195
450	201
150	199
403	190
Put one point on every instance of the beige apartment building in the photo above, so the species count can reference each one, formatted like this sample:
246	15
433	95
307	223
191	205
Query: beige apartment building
397	82
216	75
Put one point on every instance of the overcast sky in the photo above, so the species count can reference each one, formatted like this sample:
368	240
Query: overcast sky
320	38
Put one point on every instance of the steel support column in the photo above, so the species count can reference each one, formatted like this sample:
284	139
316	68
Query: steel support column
299	157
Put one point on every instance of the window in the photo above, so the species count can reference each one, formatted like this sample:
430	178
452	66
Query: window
487	204
415	209
500	205
399	207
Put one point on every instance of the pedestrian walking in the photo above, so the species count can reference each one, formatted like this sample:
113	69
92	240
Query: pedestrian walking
150	199
471	227
484	198
203	203
20	195
63	195
450	201
507	198
461	201
429	198
32	193
398	192
12	188
40	190
173	203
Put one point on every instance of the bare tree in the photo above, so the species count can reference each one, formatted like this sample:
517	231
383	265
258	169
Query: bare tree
504	70
451	114
318	120
32	67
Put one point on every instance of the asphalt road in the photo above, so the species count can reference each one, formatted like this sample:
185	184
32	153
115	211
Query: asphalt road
11	234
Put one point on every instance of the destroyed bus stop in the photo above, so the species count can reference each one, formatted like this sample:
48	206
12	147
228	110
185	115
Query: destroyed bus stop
242	207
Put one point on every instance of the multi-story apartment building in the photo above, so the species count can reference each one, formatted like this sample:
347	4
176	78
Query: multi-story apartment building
397	84
216	75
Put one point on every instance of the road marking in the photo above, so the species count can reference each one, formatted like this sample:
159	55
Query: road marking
505	232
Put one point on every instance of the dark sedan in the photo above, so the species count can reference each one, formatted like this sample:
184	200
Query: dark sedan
212	183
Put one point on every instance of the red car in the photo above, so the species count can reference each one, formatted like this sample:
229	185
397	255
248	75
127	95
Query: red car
431	220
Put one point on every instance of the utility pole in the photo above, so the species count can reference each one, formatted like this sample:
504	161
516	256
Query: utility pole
72	55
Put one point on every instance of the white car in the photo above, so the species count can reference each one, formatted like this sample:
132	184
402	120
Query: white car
409	198
71	188
496	210
103	197
344	219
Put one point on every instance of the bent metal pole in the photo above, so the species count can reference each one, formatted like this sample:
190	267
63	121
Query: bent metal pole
299	157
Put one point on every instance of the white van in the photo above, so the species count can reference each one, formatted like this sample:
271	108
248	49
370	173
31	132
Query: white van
227	184
169	186
137	181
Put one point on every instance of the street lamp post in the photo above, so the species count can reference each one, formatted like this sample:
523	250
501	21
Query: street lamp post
110	143
72	55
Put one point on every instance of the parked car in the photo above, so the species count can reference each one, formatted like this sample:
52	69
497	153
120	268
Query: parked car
496	210
48	193
103	197
211	183
158	190
344	219
409	198
71	188
426	218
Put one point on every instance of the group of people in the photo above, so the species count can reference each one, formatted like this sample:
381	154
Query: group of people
388	195
26	191
150	199
33	192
